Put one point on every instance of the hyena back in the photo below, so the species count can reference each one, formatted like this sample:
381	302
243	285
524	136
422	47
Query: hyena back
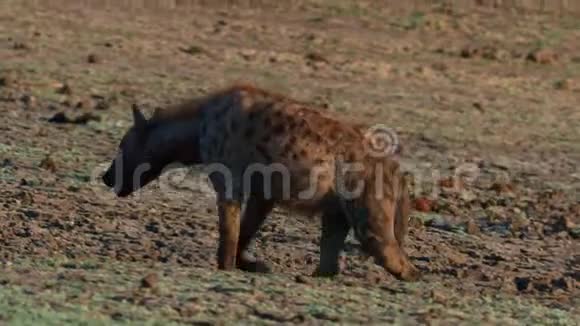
267	150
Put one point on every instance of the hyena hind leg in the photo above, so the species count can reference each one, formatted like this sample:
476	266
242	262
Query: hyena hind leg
335	228
256	211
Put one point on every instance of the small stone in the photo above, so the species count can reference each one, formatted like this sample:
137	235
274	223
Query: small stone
84	103
93	58
542	285
565	223
150	281
562	283
316	57
468	196
5	81
472	227
27	99
102	105
519	219
447	182
423	204
543	56
48	164
64	89
438	296
20	46
301	279
59	117
6	163
522	283
32	214
469	52
565	84
86	117
502	187
456	258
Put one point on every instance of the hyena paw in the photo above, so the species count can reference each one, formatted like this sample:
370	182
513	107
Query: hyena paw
410	274
325	272
254	266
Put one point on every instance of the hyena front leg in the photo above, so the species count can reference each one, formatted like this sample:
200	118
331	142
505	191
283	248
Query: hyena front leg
335	228
229	208
402	217
383	242
256	211
229	228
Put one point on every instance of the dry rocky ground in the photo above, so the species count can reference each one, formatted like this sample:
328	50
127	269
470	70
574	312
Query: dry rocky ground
488	95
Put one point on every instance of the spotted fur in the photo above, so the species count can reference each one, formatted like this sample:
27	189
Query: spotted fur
241	128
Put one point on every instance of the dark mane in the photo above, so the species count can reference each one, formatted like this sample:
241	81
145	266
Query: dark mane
190	108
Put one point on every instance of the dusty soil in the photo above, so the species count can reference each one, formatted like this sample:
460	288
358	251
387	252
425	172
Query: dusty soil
487	91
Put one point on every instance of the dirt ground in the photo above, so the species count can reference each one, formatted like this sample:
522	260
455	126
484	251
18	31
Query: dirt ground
489	95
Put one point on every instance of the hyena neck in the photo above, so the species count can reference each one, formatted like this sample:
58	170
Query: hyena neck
175	142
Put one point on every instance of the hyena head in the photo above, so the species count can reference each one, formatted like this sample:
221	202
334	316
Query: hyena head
142	156
379	216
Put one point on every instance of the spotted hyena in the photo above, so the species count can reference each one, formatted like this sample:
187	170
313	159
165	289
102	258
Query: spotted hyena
264	149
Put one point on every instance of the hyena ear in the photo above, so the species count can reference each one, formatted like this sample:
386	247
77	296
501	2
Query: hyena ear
138	118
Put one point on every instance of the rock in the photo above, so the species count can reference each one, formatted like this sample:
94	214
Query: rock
27	99
48	164
150	281
6	163
502	187
102	105
5	81
450	182
469	52
478	106
472	227
456	258
59	117
563	283
84	118
566	224
486	52
65	89
565	84
20	46
423	204
193	50
32	214
438	296
93	58
315	57
438	222
301	279
519	220
468	196
542	285
574	233
543	56
522	283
